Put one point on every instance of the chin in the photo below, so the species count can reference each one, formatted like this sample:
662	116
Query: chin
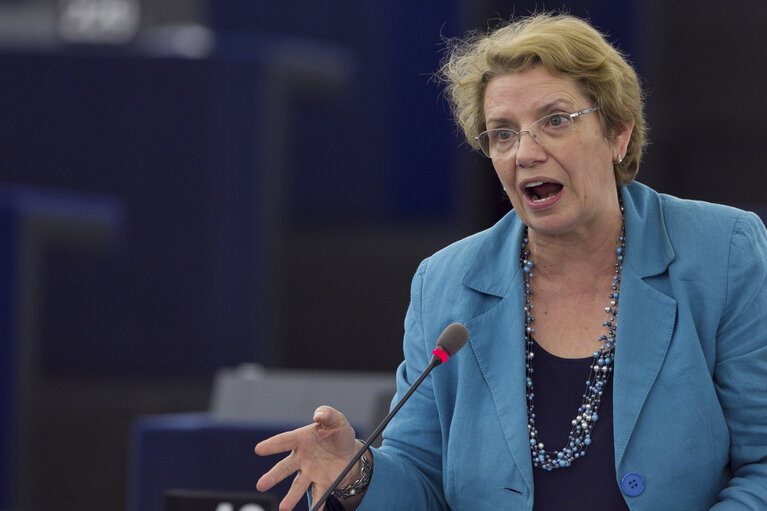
552	225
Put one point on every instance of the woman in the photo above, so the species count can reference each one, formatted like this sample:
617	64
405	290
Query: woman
617	356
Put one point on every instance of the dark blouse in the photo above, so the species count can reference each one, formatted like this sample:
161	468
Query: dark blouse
332	504
590	482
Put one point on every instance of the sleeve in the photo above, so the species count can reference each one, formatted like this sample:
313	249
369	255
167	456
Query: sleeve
407	469
741	366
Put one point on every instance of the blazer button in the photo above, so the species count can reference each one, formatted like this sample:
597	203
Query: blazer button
632	484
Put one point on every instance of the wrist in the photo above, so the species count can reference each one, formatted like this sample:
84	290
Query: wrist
356	484
356	470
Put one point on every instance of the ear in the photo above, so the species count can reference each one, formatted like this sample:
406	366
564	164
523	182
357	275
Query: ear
620	142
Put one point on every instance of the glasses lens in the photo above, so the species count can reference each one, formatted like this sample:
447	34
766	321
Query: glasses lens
547	131
551	128
484	143
499	141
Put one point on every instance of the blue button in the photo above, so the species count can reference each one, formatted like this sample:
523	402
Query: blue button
632	484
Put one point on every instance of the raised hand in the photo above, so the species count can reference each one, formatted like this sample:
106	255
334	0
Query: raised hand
318	453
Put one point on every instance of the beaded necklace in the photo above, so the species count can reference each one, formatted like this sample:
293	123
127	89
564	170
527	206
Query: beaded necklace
600	369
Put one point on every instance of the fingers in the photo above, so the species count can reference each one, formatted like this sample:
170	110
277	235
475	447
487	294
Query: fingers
276	444
317	493
314	449
279	443
278	472
297	490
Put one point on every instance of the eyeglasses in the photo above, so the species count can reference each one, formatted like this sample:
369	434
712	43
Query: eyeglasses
546	131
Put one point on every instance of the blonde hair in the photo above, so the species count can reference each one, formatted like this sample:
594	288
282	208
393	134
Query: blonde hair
565	46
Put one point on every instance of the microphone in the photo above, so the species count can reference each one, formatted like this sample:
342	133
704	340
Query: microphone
452	339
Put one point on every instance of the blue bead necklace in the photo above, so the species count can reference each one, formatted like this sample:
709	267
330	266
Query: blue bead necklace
600	369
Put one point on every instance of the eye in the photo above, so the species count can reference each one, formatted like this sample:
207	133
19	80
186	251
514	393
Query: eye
501	135
556	122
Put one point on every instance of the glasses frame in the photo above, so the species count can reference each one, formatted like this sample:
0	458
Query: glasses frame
528	131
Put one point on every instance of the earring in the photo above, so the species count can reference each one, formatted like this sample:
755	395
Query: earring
618	160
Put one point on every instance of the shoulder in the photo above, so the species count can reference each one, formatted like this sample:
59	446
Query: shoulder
465	278
696	215
456	259
694	224
714	229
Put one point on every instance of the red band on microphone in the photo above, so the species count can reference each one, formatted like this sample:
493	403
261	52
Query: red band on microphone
441	354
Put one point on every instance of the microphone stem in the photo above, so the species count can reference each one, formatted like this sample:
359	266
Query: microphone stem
435	361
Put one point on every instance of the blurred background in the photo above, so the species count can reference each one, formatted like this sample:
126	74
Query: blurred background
191	185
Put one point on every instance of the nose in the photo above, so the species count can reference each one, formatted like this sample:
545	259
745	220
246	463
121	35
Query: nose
529	151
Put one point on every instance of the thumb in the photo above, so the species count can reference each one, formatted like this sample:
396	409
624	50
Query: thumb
328	417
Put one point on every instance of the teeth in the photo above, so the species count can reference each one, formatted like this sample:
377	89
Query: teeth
531	185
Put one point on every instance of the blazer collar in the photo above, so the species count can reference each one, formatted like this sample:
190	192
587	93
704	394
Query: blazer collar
648	248
495	264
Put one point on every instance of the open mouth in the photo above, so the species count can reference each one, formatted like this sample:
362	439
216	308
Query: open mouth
540	191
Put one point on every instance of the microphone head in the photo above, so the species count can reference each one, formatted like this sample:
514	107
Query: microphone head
453	338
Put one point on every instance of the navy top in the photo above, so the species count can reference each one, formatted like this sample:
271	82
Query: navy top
590	482
332	504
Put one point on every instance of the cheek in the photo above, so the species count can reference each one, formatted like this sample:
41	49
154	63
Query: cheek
591	165
507	177
505	174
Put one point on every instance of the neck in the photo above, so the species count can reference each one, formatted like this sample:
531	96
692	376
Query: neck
580	254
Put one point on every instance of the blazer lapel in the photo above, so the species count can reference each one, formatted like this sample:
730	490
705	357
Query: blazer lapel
646	316
497	340
645	323
496	337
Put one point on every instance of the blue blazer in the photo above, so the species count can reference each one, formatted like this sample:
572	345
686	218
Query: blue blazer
690	380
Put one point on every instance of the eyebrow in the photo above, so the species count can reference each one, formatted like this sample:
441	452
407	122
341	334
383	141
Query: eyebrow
558	104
